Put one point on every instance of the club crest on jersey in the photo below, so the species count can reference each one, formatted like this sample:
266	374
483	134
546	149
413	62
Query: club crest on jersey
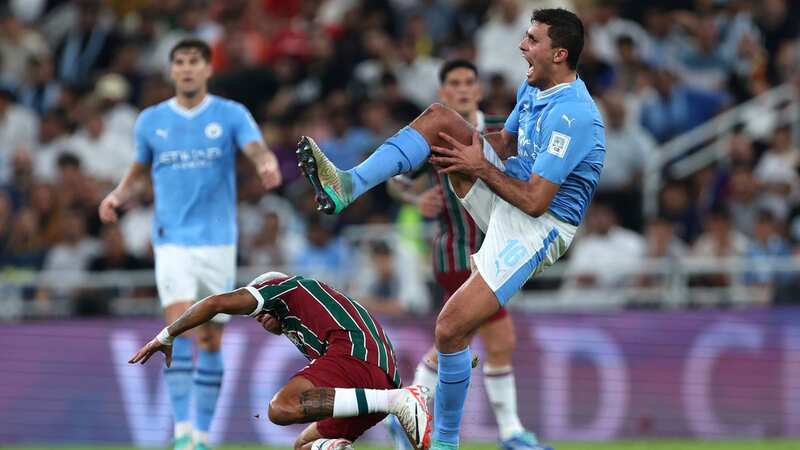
213	130
558	144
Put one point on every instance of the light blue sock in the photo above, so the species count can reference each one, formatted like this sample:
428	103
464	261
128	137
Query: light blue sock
401	153
179	378
207	383
451	391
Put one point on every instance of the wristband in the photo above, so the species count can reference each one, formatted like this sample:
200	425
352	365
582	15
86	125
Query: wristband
164	338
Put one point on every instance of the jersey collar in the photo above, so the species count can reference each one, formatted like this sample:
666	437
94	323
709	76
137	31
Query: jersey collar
190	112
557	88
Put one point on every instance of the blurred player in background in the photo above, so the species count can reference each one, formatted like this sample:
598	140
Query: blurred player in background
352	381
527	187
189	143
458	238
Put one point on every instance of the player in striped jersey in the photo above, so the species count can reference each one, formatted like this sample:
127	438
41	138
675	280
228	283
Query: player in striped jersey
458	238
352	381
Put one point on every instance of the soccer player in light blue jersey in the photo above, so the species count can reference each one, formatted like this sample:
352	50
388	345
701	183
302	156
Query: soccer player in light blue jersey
189	145
527	187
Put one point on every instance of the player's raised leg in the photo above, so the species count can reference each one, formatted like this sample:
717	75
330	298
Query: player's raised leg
401	153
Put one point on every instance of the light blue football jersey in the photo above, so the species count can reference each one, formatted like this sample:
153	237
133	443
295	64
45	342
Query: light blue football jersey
560	137
192	154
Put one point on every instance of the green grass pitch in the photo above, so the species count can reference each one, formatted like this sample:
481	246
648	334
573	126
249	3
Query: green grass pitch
618	445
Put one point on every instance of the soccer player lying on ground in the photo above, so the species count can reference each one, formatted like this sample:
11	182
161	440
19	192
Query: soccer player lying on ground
353	382
527	187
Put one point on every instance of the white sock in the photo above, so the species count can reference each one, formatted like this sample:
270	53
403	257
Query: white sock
502	391
183	428
357	402
200	437
427	376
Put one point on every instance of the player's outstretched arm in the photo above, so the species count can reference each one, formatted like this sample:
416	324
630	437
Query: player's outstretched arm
266	164
122	193
240	302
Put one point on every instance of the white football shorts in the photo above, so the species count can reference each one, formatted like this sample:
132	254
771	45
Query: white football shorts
517	246
193	273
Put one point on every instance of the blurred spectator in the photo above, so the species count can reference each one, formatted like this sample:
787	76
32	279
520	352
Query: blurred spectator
767	242
743	199
192	22
605	27
112	256
76	189
417	74
324	254
628	147
267	248
720	239
348	143
112	94
43	203
106	152
601	259
497	41
702	63
52	141
667	250
389	282
88	46
40	90
66	262
401	109
18	129
6	224
676	206
676	107
26	249
18	46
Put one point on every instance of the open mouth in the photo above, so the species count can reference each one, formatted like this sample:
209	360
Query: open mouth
530	68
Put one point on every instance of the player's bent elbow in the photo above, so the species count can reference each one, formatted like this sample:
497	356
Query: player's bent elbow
282	413
536	209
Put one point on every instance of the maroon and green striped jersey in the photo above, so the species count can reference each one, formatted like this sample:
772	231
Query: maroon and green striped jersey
320	320
459	236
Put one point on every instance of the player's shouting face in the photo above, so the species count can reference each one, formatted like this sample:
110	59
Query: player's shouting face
537	48
190	71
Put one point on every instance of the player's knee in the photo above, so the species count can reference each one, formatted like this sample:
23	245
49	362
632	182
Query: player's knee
282	412
447	333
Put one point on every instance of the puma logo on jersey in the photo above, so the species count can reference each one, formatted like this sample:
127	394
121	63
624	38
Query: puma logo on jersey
162	133
568	120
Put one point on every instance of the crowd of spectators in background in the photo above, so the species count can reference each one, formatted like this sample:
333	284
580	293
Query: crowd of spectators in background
75	74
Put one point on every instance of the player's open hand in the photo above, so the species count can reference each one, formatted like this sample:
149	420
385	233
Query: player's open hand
149	349
464	159
430	202
108	208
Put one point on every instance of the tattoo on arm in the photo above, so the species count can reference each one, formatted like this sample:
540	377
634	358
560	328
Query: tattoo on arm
317	403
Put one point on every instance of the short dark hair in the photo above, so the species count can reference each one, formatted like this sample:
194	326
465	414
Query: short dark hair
192	44
454	64
566	31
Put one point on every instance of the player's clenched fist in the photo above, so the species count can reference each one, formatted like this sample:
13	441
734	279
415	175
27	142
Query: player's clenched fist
108	208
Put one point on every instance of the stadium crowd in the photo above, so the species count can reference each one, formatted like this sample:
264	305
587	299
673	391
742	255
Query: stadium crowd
75	74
